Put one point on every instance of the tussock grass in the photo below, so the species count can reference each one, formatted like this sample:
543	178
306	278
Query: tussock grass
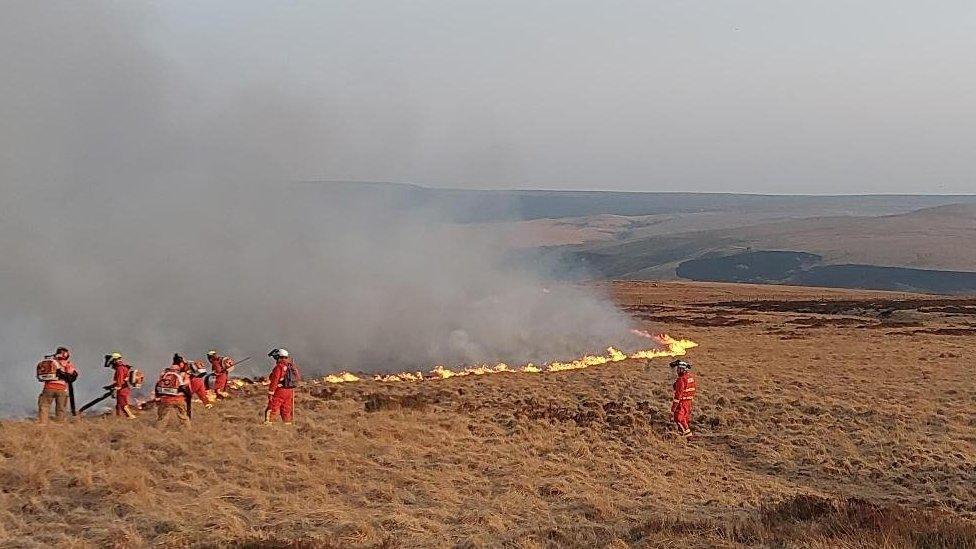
832	439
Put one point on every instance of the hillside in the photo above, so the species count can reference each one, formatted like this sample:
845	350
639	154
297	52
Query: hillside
928	250
905	243
812	434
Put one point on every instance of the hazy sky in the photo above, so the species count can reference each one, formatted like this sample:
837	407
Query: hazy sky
759	96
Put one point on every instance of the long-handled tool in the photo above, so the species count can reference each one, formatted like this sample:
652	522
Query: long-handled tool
96	401
71	397
241	361
189	404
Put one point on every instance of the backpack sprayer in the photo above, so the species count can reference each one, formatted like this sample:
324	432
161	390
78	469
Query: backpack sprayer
69	379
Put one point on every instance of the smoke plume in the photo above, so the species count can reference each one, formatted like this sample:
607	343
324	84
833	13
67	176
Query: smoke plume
142	214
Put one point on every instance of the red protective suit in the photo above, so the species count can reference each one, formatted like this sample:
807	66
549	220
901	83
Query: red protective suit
221	366
120	382
67	367
199	387
280	399
684	394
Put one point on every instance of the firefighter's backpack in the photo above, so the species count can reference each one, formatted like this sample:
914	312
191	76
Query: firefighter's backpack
291	377
136	378
47	370
197	369
168	384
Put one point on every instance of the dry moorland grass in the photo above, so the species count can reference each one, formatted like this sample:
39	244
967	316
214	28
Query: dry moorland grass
816	431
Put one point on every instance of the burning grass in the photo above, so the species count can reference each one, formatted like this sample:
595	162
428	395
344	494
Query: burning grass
667	347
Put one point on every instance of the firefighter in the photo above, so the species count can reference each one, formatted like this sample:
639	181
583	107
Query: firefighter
221	366
281	388
172	392
120	384
56	385
684	394
196	371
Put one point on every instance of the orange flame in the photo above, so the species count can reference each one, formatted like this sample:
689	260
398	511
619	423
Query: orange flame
671	347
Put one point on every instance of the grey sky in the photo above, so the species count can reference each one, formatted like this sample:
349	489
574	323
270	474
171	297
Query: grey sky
792	97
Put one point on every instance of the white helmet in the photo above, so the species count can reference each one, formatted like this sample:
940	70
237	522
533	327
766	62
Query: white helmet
278	353
680	365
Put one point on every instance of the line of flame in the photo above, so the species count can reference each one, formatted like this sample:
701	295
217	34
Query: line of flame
671	348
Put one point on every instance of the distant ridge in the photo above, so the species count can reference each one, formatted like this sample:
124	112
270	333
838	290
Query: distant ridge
481	205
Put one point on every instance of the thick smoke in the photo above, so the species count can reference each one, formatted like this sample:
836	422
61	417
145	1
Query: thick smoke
143	215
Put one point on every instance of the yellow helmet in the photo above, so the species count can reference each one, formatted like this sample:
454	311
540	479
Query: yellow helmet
110	359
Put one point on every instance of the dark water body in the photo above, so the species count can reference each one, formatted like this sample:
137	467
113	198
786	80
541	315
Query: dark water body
801	268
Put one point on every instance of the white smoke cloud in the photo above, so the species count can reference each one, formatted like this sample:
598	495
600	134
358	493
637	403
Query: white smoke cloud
137	217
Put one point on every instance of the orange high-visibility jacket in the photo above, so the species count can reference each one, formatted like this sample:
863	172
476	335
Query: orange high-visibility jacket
59	384
184	382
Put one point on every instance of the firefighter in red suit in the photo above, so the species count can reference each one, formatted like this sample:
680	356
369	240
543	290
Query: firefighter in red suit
172	390
120	384
684	395
56	390
195	372
281	388
221	366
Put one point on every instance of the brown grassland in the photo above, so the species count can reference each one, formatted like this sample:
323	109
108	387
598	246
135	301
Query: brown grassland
827	418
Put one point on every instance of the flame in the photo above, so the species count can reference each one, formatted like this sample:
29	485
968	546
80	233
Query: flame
671	347
341	377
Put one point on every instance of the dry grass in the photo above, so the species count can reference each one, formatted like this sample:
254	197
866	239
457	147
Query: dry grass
814	434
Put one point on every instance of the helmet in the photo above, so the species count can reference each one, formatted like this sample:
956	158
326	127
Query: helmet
680	365
111	358
62	350
211	352
177	359
278	353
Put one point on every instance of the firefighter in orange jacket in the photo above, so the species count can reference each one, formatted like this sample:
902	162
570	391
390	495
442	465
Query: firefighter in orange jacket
172	391
684	394
281	387
120	384
221	366
56	390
